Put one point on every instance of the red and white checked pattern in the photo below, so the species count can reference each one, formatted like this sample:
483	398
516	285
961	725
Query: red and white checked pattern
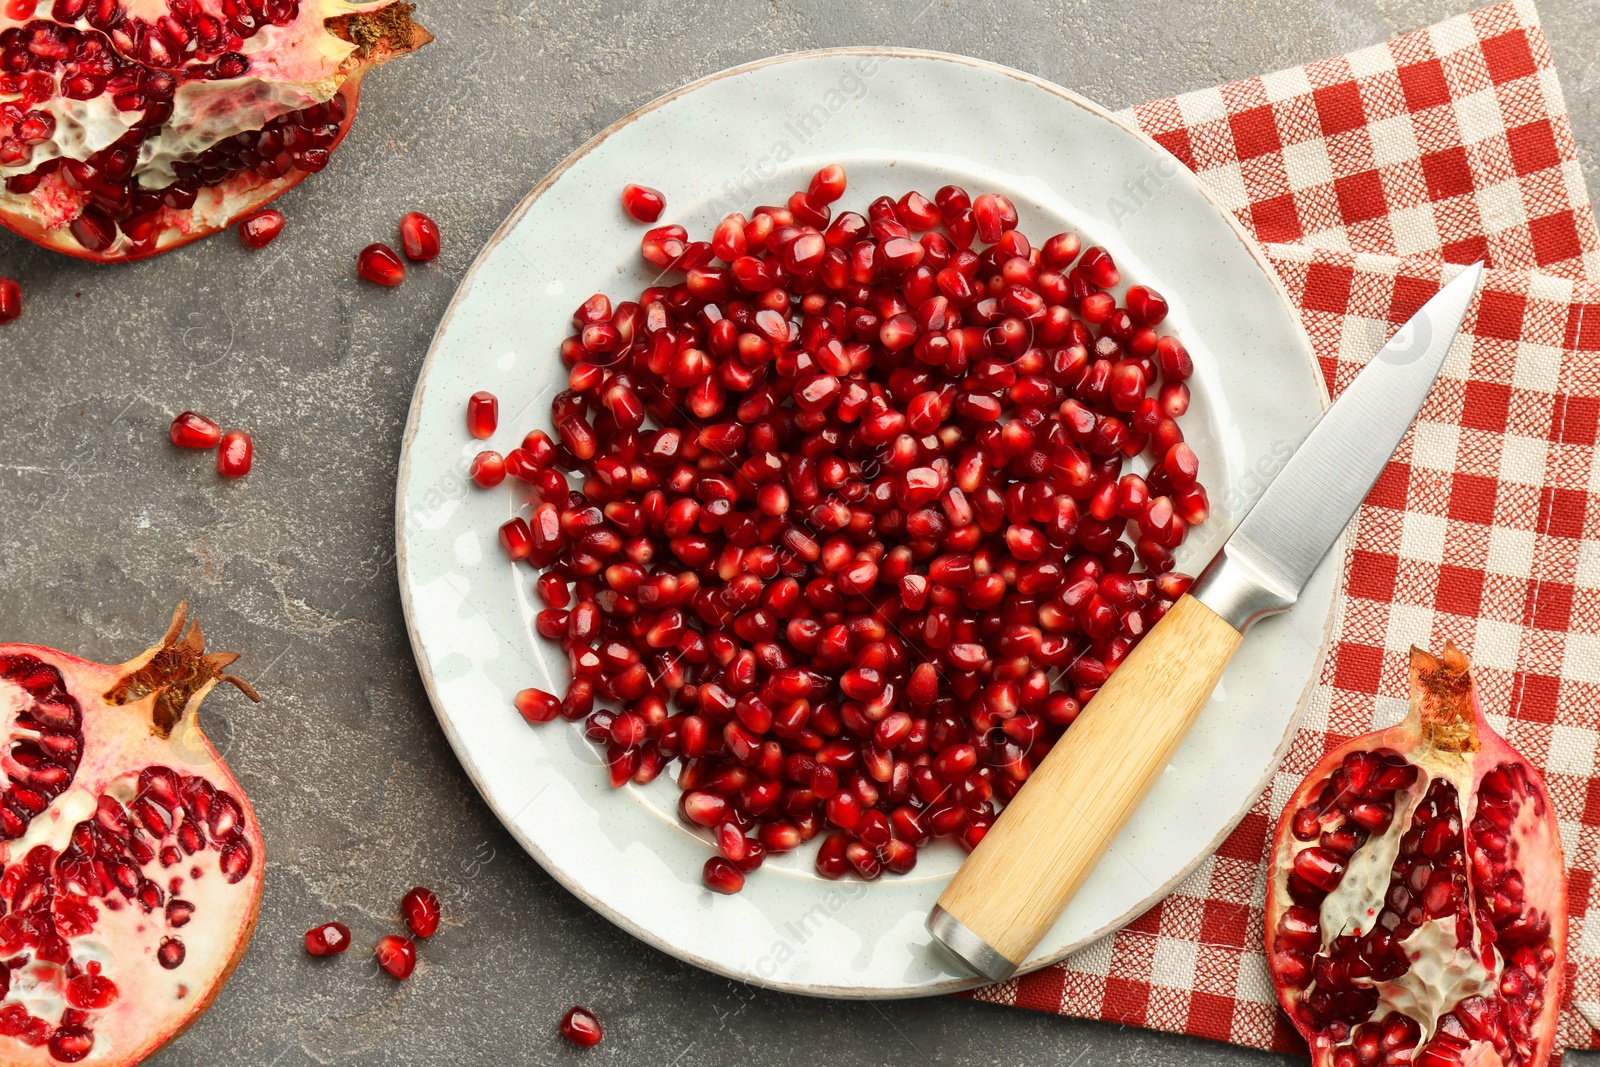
1365	176
1452	141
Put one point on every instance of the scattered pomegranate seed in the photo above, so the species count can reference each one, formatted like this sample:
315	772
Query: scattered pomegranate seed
721	876
260	229
488	469
419	237
643	203
421	909
483	414
580	1027
329	939
190	430
536	705
843	518
377	263
10	299
397	955
235	454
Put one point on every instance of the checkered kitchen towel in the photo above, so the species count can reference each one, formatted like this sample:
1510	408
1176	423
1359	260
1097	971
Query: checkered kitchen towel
1366	177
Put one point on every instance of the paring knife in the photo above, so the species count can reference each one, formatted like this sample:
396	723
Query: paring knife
1047	840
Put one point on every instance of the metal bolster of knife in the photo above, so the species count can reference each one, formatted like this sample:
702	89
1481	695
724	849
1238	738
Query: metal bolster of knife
1239	591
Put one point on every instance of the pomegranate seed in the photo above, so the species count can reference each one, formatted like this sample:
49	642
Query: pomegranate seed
190	430
261	229
378	263
941	436
580	1027
536	705
421	910
720	876
483	415
397	955
234	454
419	237
329	939
10	299
488	469
643	202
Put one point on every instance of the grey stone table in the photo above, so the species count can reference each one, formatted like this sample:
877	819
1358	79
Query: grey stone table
103	527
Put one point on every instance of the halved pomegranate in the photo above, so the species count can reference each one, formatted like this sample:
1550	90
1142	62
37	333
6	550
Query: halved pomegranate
128	129
132	860
1417	906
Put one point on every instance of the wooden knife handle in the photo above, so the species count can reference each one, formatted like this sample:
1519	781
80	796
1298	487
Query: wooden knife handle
1014	885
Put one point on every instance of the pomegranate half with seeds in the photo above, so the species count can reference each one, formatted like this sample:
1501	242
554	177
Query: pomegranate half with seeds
1417	906
130	127
132	860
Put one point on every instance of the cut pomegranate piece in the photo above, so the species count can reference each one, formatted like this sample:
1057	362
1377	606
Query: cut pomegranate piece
421	909
580	1027
10	299
190	430
261	229
204	114
397	955
133	864
235	453
483	414
419	237
377	263
329	939
1417	908
643	203
840	518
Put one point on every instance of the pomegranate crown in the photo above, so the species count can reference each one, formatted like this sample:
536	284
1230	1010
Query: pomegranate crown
1442	694
179	671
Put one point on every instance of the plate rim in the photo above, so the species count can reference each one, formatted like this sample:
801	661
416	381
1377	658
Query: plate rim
407	454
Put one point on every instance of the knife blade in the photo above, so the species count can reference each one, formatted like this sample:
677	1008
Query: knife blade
1047	840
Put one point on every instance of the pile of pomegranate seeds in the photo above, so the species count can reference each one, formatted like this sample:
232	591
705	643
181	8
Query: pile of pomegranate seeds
10	299
879	542
643	203
580	1027
261	229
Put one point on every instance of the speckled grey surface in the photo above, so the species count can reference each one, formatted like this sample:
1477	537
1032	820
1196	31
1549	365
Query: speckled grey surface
103	526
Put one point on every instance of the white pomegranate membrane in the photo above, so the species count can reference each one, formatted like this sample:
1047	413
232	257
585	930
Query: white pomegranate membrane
1416	912
131	862
878	542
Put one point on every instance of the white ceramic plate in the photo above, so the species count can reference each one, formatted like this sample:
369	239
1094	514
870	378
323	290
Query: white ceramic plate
751	135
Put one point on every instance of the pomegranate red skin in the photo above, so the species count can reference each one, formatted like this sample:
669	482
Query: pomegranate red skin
150	722
1417	738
